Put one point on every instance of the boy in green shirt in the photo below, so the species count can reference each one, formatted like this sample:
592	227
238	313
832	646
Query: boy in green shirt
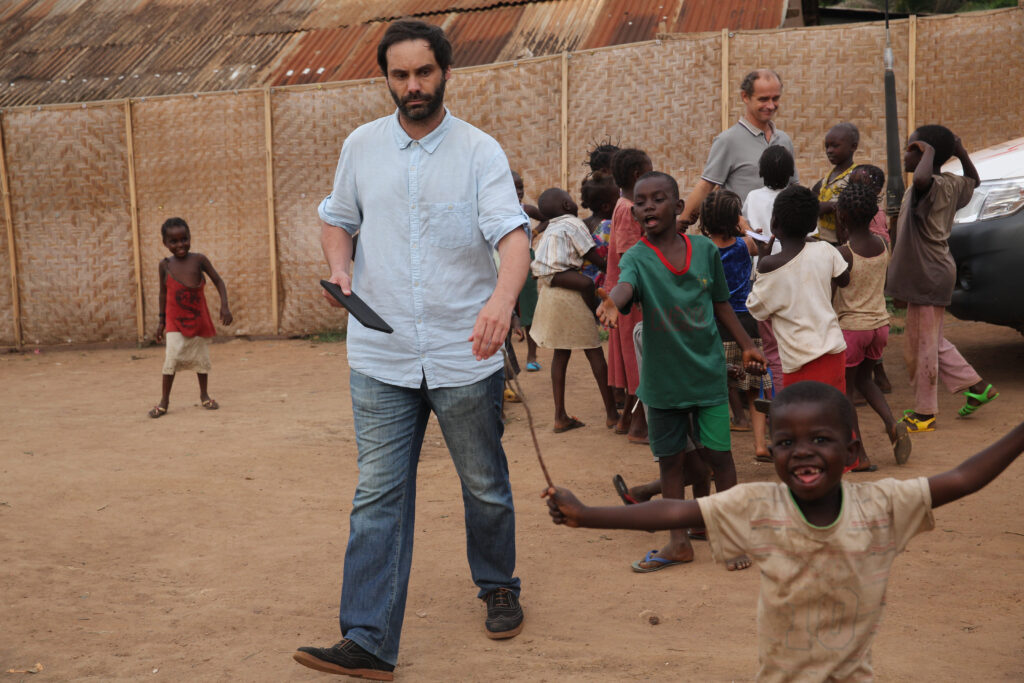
679	282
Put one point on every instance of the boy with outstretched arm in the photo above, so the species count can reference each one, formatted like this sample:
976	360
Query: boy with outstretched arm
825	547
680	282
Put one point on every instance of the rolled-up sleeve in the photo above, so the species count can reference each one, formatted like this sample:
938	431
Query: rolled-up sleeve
718	165
498	208
341	207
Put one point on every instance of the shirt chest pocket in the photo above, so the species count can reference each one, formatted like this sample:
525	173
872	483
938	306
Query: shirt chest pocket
450	224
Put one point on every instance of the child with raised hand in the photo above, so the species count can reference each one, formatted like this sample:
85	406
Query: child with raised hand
860	307
184	316
679	281
923	274
722	223
822	593
840	143
563	320
794	289
623	371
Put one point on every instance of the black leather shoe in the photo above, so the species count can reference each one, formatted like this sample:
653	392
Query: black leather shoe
504	614
347	659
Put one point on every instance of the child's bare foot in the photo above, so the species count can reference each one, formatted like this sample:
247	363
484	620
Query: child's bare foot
738	563
899	437
158	410
740	426
623	423
666	557
612	419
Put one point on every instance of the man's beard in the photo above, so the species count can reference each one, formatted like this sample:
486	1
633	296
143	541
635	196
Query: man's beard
423	111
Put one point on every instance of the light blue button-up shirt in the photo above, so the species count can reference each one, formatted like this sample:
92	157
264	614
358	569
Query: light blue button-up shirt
429	213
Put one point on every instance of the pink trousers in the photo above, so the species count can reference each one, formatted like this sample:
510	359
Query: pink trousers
931	357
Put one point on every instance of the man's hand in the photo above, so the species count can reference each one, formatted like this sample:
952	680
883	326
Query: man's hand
159	336
490	328
563	506
343	280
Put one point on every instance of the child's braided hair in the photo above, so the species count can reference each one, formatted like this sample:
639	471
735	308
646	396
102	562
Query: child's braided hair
720	213
871	174
627	164
600	158
858	203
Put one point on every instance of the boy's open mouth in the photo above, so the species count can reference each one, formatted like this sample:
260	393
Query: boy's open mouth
808	474
650	221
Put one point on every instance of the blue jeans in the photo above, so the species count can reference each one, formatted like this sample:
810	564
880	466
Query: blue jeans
389	424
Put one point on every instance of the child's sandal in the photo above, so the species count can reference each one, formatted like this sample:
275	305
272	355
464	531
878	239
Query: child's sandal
916	424
981	398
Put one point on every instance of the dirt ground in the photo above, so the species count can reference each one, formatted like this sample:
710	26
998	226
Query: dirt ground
208	545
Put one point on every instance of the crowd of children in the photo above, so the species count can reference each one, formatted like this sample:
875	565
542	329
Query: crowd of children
784	287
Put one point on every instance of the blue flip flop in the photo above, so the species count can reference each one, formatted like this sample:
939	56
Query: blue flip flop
652	557
533	366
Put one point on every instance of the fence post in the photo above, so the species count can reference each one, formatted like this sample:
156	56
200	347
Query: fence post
268	133
12	253
129	136
912	76
725	79
565	120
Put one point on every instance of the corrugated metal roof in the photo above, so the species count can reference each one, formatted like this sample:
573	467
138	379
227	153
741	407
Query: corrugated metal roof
78	50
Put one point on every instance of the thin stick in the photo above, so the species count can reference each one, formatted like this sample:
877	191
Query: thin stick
529	418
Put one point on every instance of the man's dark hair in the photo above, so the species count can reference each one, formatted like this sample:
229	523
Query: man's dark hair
626	163
410	29
795	213
658	174
859	203
174	223
776	167
747	85
939	137
820	393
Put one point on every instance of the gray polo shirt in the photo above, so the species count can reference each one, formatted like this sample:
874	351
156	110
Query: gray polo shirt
735	153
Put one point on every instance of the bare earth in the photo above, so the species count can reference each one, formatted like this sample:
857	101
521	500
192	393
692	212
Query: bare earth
208	545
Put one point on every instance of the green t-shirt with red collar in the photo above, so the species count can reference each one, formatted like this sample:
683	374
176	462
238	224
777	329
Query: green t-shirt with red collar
683	361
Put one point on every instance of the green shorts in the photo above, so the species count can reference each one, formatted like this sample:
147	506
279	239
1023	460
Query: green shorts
677	430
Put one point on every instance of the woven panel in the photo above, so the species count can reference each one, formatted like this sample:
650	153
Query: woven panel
970	75
520	106
7	334
204	159
309	129
69	193
823	87
662	98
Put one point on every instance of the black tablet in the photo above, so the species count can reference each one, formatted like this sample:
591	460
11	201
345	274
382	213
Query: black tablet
357	307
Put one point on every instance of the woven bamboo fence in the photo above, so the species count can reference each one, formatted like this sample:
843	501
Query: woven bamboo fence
86	187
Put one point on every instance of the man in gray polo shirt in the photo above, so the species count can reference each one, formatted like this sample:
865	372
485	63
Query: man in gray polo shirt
733	160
